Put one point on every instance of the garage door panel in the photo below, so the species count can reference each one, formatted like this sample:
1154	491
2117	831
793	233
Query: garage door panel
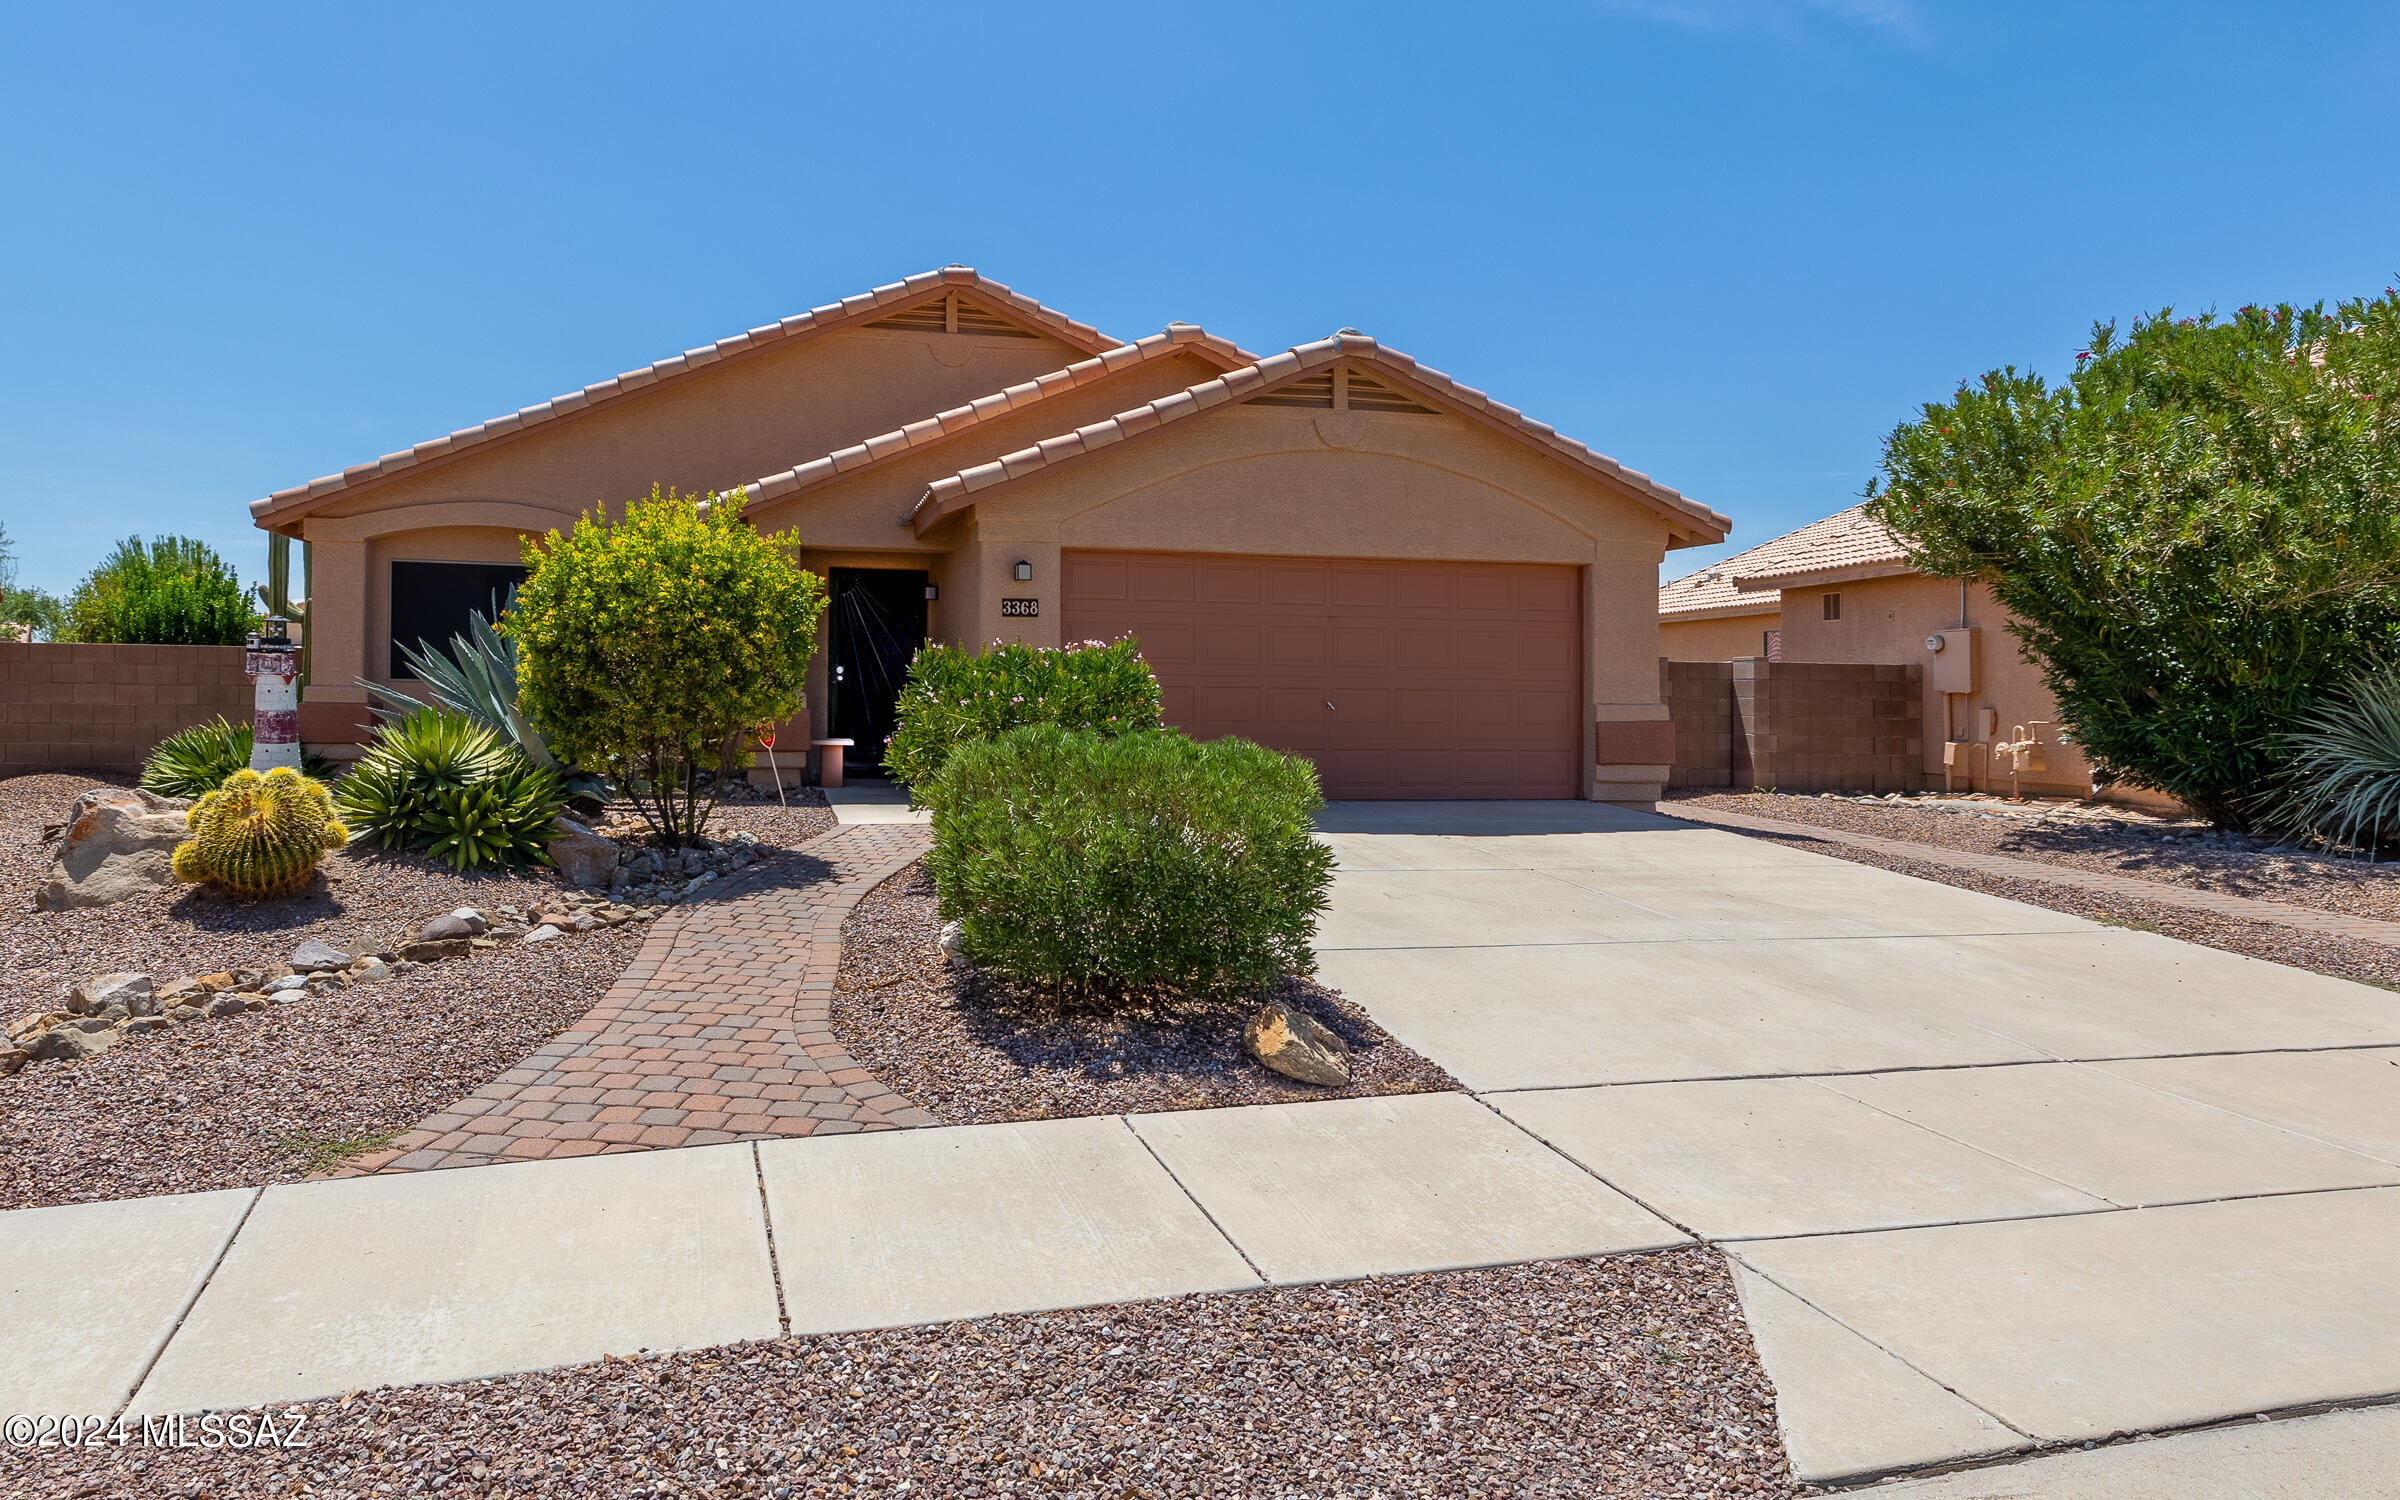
1445	679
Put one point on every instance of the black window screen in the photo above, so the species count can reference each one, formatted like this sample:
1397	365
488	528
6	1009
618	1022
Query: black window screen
430	601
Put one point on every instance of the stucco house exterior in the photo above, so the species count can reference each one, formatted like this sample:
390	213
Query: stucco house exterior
1842	590
1333	550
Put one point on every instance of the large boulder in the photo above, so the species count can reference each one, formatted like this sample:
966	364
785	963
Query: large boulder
118	842
1295	1045
582	856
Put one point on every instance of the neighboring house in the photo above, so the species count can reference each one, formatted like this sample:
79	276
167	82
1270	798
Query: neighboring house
1334	551
1842	590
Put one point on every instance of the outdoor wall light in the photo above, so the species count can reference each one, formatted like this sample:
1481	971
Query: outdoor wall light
933	591
1024	571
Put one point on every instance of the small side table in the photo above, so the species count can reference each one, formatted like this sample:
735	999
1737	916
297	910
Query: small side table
829	760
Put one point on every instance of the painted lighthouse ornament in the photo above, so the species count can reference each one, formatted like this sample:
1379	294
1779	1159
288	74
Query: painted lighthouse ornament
273	663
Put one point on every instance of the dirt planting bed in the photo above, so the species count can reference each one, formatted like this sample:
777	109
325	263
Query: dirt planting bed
275	1094
970	1051
1631	1376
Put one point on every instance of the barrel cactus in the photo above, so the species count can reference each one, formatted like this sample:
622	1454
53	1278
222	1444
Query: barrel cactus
260	836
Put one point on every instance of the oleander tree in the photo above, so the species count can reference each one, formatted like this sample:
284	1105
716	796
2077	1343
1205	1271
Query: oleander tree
647	644
2196	533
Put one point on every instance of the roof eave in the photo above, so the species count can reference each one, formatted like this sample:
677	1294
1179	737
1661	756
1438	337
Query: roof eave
1818	577
1760	604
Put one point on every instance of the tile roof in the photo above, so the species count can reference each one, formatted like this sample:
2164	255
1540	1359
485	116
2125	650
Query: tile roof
284	504
1177	338
1749	582
947	496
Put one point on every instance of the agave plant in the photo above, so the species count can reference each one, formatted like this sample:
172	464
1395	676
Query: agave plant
477	678
452	787
197	761
2341	778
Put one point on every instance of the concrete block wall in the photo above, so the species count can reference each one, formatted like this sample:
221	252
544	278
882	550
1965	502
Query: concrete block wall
103	707
1797	726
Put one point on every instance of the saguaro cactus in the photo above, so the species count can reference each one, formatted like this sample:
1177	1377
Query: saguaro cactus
260	836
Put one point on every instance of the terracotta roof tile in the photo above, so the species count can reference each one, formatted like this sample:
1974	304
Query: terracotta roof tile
284	504
1177	338
1748	582
946	496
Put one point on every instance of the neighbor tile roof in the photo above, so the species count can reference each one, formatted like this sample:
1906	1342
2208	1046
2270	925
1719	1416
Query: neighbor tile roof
1177	338
1747	582
284	504
947	496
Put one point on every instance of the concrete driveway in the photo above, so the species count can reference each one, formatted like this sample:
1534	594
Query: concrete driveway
1991	1176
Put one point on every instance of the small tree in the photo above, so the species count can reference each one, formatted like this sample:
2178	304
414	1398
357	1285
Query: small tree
171	591
31	607
2198	532
644	645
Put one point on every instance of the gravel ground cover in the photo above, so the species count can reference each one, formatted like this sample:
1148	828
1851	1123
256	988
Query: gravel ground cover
277	1094
2342	958
1625	1376
968	1050
2170	852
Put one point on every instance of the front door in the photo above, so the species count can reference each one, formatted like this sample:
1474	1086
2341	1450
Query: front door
876	622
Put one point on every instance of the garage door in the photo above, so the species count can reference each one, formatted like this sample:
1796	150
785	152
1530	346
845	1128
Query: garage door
1398	679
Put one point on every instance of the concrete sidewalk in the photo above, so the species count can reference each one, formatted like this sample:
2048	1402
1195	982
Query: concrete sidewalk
314	1289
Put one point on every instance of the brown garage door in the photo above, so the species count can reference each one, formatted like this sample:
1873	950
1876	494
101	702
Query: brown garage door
1399	679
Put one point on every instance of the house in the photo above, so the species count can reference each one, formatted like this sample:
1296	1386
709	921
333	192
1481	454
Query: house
1842	590
1333	550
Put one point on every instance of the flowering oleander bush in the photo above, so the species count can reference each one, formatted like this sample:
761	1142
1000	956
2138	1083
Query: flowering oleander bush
1095	866
954	697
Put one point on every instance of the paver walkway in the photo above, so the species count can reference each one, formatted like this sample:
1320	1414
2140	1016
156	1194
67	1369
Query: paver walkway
719	1030
2215	903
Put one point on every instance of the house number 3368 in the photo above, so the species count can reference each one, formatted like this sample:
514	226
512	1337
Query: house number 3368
1020	607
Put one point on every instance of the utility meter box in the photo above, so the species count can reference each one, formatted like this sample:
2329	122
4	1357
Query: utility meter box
1950	660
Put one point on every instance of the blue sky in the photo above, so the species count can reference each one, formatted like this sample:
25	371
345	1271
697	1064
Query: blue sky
1728	242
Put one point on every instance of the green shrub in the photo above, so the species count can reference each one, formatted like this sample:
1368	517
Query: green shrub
477	678
2341	780
1095	865
196	761
953	697
2194	533
447	786
173	591
645	647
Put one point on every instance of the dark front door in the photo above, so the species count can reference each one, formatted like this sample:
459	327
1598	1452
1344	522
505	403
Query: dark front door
877	622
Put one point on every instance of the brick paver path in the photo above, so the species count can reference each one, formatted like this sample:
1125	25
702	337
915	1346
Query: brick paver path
719	1030
2216	903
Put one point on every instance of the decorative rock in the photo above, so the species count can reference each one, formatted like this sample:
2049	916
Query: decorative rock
582	856
96	995
1293	1044
316	956
370	970
542	934
474	919
253	1002
186	1013
221	980
66	1044
953	942
181	992
119	842
448	926
287	982
12	1059
434	952
507	933
142	1025
230	1005
101	1022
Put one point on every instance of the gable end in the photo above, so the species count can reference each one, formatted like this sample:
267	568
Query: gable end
952	313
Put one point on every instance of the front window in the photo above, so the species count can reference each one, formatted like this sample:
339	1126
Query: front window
431	600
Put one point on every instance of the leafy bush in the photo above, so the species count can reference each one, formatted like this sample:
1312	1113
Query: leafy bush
1093	865
645	647
196	761
2341	782
260	836
21	605
2196	532
953	697
173	591
450	787
477	678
